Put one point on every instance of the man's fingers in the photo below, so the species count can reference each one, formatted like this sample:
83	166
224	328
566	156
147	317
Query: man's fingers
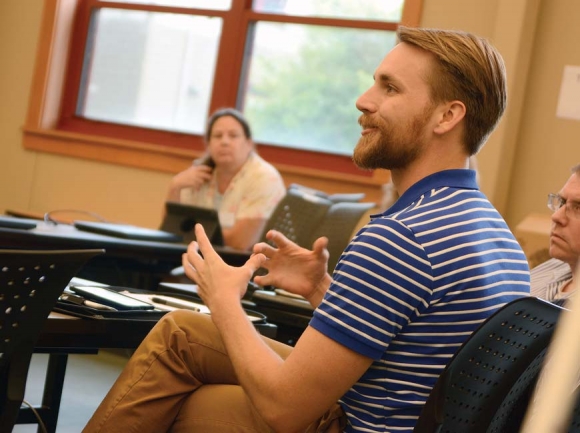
263	280
320	244
188	268
264	248
278	238
192	253
193	247
205	246
255	262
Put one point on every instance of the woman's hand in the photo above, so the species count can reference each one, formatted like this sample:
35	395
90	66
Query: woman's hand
218	284
192	177
293	268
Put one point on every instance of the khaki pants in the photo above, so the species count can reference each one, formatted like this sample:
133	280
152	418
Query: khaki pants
180	379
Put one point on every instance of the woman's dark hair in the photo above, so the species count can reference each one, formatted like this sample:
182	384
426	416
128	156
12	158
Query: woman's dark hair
232	112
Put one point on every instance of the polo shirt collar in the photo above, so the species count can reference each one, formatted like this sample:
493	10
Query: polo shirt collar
458	178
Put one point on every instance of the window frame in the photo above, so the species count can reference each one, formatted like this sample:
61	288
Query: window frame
51	124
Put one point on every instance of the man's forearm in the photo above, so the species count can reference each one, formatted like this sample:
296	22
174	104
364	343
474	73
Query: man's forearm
258	367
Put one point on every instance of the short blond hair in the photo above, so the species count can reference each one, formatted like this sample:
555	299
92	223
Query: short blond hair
468	69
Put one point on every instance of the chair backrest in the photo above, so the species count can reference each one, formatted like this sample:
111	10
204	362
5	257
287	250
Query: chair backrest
297	215
335	198
487	385
30	283
338	226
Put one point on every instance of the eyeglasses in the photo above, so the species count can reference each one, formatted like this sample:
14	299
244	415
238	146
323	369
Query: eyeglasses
572	208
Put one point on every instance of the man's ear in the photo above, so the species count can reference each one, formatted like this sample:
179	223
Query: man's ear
451	114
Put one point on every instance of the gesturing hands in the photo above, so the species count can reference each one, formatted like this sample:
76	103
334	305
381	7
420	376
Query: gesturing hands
290	267
293	268
218	283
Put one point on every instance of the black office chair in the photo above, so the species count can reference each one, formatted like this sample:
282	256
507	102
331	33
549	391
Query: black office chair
335	198
487	385
30	283
338	226
297	216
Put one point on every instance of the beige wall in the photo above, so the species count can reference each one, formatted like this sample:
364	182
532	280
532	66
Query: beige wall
18	37
527	157
547	146
40	182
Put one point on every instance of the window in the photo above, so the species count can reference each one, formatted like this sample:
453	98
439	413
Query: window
151	71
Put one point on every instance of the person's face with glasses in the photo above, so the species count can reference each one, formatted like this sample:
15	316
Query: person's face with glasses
565	233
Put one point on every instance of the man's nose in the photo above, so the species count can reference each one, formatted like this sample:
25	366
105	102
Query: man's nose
365	102
559	216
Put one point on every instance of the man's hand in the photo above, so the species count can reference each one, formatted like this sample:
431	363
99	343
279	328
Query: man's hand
292	392
293	268
218	283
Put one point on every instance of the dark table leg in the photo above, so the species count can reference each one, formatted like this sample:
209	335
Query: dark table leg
53	384
53	389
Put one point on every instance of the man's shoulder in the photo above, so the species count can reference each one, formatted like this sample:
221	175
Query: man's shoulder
386	238
438	206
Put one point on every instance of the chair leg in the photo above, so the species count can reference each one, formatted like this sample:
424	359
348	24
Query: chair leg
53	389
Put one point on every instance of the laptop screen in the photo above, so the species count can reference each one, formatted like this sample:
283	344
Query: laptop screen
181	219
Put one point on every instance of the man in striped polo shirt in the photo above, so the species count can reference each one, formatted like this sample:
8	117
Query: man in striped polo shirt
408	290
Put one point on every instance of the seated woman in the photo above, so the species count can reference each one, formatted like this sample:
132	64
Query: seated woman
231	178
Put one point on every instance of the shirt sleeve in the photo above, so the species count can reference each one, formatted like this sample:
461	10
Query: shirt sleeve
381	282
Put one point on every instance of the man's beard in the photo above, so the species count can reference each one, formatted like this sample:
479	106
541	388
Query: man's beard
391	146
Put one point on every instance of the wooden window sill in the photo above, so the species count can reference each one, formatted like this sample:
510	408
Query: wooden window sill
155	157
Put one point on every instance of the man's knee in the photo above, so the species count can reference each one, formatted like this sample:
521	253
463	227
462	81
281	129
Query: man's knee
220	407
187	327
183	319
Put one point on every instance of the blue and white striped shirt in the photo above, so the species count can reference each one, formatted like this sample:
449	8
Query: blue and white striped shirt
410	288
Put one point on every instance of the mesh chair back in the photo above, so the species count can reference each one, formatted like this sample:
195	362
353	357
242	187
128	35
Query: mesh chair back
30	283
297	215
338	226
487	385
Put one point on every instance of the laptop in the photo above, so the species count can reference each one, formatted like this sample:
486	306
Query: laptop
181	219
127	231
